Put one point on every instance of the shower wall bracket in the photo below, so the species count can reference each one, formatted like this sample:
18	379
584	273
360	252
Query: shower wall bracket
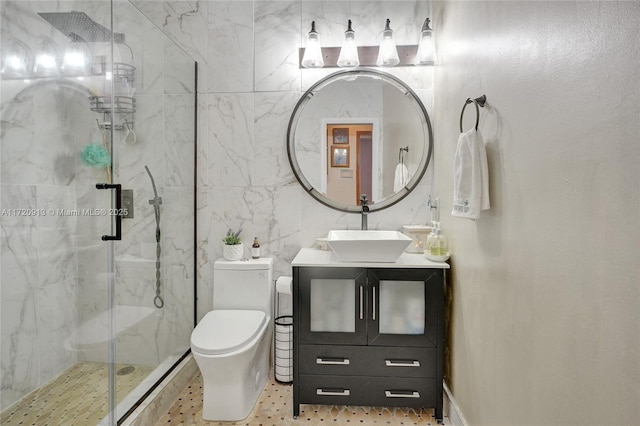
127	203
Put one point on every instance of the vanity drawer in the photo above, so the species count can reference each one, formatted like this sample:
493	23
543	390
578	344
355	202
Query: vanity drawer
367	360
372	391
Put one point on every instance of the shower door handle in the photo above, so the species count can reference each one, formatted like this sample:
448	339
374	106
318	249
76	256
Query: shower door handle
118	210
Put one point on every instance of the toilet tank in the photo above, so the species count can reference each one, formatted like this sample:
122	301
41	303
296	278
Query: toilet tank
244	285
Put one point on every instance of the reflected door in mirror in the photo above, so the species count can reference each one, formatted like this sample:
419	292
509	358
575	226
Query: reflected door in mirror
364	166
350	172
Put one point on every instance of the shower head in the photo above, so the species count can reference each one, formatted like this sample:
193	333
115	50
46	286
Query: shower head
77	26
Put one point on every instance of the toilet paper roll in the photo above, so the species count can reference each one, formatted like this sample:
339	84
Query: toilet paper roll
282	354
283	285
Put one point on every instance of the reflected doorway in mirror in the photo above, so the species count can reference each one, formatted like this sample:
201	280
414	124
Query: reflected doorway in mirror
359	151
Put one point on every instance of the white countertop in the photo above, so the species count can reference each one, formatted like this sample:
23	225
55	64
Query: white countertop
315	257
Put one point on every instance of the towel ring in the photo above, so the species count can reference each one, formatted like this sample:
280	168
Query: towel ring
480	101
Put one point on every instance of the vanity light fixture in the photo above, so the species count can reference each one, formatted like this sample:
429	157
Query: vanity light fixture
388	53
313	53
349	51
426	47
352	55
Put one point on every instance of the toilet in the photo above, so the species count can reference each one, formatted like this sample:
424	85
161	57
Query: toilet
231	344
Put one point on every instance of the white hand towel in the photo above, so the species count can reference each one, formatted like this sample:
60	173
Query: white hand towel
401	178
470	176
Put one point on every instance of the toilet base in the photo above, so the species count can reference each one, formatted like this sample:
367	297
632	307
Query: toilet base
233	382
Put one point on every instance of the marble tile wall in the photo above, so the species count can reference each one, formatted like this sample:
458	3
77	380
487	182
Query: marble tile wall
249	84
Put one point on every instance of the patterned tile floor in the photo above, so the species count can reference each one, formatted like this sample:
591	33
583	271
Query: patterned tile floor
77	397
274	408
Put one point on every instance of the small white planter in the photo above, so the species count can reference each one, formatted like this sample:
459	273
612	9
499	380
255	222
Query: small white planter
234	252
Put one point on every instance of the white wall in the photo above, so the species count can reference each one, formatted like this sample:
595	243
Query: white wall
545	294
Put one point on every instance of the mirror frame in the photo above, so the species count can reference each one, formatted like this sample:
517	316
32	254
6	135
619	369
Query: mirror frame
347	75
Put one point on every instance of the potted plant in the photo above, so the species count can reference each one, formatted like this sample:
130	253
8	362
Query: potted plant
233	249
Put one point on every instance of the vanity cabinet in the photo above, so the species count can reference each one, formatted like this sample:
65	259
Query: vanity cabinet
368	334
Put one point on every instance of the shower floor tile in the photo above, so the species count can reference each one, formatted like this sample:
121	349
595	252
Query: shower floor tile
77	397
274	408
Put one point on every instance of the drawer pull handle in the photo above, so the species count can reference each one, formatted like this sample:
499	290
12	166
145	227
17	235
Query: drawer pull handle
399	363
361	302
402	394
333	392
332	361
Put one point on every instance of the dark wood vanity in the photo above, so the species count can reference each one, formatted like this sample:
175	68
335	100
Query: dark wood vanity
368	333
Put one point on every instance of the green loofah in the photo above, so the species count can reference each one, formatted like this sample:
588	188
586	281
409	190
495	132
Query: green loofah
94	155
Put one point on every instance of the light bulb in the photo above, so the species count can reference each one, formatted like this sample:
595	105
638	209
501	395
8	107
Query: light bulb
349	50
17	60
313	52
74	61
387	53
426	48
15	64
46	62
46	59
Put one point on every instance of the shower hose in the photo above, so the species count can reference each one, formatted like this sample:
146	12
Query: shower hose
158	302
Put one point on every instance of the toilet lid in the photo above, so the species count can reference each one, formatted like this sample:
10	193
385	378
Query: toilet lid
222	331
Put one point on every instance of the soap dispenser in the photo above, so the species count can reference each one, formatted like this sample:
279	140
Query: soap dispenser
437	243
431	238
442	245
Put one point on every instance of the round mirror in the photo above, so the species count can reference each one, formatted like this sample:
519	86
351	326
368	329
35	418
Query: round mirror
359	132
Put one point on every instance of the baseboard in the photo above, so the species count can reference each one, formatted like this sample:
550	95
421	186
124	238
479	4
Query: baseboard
451	409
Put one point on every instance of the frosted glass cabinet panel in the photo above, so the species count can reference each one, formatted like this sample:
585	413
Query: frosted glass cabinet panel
402	307
333	305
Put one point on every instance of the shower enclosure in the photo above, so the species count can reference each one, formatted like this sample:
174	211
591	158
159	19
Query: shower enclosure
97	201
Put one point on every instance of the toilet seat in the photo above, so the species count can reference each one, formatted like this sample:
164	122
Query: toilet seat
223	331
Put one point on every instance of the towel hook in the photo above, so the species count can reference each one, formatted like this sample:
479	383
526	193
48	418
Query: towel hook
400	155
480	101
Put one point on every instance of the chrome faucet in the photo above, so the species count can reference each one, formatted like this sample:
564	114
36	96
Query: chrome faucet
364	212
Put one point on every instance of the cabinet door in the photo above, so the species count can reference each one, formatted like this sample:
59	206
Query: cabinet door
331	305
404	305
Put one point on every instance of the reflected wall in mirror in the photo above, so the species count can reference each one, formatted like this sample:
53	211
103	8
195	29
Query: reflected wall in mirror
359	132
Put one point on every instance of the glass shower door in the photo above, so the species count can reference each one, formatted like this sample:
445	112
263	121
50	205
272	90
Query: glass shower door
55	271
88	324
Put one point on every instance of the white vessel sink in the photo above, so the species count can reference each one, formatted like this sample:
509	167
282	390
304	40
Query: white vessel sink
367	246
